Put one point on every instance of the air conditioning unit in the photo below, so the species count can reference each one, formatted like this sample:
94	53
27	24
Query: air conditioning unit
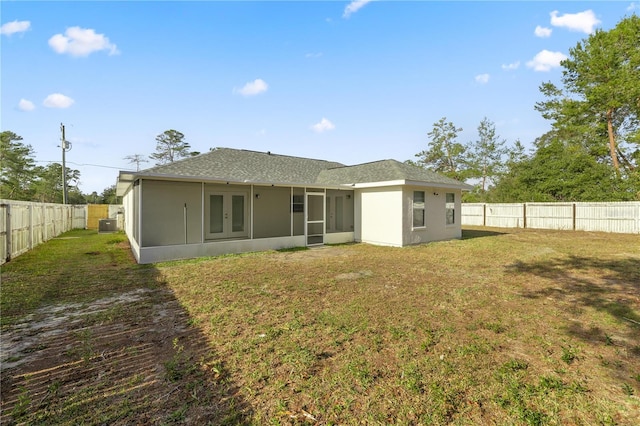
108	225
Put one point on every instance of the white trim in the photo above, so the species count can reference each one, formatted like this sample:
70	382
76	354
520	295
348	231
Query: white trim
202	212
139	211
216	248
401	182
251	212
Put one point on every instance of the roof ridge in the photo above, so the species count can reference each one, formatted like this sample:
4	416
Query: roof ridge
278	155
361	164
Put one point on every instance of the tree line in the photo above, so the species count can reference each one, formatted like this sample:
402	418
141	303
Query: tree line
21	179
592	151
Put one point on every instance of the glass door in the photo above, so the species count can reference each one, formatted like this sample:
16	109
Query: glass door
227	215
315	218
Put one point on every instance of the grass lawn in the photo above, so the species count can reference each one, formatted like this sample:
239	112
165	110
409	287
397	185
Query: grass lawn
505	326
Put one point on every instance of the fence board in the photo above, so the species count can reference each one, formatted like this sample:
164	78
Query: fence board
617	217
95	213
24	225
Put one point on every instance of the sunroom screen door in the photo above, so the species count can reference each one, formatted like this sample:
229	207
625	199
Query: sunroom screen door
315	218
226	215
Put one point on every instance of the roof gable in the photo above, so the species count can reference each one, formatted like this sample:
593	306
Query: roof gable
384	171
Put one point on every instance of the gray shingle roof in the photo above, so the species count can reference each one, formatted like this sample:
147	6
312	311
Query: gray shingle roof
383	171
234	165
241	165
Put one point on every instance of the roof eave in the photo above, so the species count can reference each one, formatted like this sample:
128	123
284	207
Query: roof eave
126	179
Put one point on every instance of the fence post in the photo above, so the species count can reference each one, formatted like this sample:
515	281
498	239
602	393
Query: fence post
30	207
574	216
524	215
8	227
484	214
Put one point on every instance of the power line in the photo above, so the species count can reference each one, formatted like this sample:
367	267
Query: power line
84	164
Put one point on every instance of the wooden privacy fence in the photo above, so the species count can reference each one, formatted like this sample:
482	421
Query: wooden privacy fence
24	225
618	217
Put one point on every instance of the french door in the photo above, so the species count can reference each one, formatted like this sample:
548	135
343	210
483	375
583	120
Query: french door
226	215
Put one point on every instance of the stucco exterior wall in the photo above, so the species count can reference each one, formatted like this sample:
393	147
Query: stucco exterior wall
436	227
380	211
132	219
163	212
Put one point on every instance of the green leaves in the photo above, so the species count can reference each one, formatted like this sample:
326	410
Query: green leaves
600	101
170	146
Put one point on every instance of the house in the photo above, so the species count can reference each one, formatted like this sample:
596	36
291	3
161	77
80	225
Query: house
232	201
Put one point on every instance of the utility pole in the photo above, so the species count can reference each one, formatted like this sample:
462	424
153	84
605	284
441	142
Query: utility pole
65	147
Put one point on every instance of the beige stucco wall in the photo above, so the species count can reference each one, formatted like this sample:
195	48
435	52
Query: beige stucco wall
436	228
163	209
380	211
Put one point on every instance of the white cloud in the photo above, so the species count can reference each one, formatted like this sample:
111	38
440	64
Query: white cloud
323	126
353	7
81	42
512	66
11	28
253	88
58	100
632	7
482	78
545	60
313	55
25	105
581	21
542	32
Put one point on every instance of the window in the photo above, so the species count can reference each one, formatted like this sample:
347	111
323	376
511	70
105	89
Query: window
297	204
450	207
418	209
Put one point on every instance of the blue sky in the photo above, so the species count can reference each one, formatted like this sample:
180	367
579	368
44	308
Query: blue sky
344	81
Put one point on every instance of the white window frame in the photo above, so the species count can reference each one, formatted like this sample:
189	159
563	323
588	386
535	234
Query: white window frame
450	206
415	206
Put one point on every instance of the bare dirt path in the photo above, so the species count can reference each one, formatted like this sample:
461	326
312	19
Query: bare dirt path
133	352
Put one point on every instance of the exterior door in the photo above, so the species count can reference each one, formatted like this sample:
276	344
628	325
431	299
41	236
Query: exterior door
226	215
315	218
335	214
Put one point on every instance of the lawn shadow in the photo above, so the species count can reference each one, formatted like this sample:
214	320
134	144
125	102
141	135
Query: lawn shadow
607	285
131	357
468	234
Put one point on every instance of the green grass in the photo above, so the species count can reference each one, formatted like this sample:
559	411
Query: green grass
504	326
78	266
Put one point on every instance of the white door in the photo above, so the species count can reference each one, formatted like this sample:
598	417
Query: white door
315	218
226	215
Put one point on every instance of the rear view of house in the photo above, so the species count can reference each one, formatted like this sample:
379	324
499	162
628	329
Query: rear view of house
233	201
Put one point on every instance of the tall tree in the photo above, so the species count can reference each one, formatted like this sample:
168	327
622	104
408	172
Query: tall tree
560	170
47	188
444	154
600	101
136	159
109	195
486	154
170	146
17	167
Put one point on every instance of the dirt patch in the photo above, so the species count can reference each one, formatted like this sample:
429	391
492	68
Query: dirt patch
354	275
135	350
320	252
